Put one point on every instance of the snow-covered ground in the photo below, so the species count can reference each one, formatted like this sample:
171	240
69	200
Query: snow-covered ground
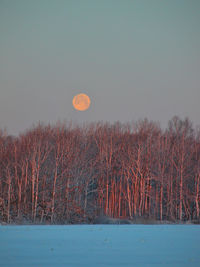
100	245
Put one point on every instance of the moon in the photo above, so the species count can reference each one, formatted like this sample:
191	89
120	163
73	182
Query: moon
81	102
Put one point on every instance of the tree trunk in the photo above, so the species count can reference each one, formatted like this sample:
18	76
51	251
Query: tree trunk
9	188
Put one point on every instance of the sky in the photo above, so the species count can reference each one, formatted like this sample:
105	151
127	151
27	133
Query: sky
136	59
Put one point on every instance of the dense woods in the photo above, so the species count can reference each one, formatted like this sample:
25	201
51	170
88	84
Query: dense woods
70	174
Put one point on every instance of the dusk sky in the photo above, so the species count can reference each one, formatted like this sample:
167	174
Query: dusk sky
134	58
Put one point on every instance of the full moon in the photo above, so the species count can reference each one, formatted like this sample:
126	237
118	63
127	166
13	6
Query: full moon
81	102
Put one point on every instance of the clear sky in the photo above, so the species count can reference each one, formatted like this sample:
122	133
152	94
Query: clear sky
134	58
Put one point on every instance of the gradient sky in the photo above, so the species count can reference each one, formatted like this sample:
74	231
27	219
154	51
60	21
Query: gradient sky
134	58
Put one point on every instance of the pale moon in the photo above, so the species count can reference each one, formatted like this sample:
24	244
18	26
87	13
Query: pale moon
81	102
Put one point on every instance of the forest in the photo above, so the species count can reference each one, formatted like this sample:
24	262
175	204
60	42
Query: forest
65	174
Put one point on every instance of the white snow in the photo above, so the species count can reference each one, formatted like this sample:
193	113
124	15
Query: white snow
100	245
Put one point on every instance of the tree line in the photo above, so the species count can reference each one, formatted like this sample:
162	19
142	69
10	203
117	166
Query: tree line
71	174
